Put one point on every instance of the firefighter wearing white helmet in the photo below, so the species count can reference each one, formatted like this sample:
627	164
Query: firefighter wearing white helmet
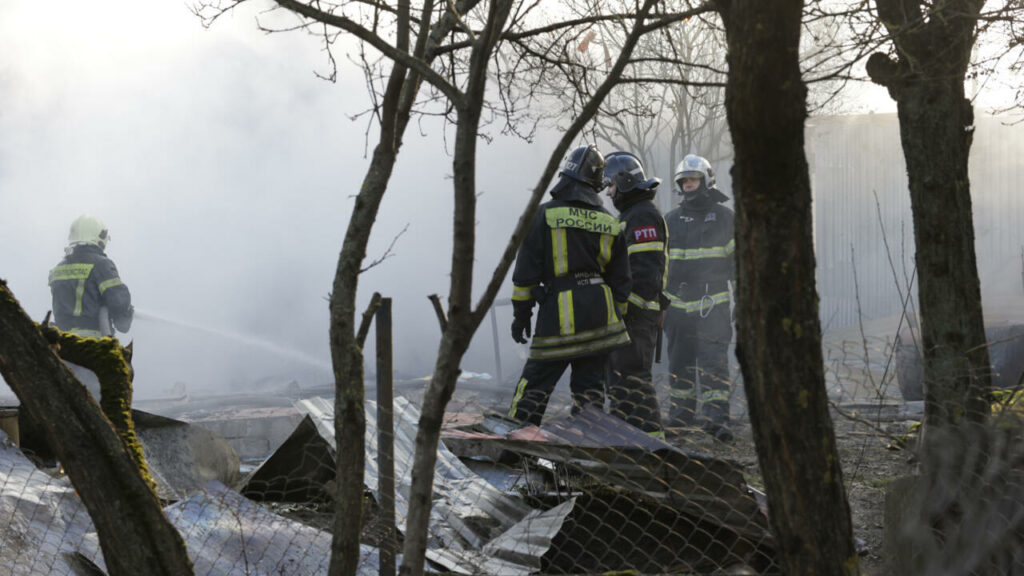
86	281
698	322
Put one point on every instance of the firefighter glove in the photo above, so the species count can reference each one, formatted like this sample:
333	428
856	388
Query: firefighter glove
521	330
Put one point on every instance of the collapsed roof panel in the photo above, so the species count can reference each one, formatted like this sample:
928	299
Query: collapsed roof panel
477	510
653	507
648	504
607	448
183	457
47	530
44	522
468	512
300	470
228	535
516	552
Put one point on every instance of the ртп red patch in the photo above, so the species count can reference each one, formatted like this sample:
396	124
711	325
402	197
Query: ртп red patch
645	234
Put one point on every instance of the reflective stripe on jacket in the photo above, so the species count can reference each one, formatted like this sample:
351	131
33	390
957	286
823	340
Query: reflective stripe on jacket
701	256
573	261
83	282
647	245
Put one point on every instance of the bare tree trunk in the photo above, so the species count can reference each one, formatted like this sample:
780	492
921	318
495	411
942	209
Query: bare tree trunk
779	332
926	79
936	124
134	534
462	323
346	354
462	319
347	359
936	128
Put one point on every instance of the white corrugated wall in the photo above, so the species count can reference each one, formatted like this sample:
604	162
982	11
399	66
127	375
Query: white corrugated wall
861	202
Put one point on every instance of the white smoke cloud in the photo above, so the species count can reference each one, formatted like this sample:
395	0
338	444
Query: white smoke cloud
225	171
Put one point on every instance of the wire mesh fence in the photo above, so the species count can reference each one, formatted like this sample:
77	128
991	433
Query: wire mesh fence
582	493
588	494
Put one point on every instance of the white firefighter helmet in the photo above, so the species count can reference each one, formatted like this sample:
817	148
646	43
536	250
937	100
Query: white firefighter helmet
693	166
88	230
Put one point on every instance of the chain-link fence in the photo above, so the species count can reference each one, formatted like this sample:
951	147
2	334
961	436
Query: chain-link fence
589	494
250	486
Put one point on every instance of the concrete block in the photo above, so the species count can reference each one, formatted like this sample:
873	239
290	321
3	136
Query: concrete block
902	502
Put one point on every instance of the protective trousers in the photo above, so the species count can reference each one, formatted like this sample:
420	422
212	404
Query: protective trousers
698	351
540	377
630	388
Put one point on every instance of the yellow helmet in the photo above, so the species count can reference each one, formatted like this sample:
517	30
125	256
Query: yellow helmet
88	230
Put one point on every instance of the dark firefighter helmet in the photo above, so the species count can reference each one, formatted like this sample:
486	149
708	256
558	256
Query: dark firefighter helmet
585	164
626	172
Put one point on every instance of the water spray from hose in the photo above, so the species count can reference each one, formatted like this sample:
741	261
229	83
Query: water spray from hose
265	345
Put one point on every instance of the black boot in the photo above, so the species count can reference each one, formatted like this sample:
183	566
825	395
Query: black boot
682	412
719	430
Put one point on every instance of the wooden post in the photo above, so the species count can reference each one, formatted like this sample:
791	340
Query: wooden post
386	438
497	349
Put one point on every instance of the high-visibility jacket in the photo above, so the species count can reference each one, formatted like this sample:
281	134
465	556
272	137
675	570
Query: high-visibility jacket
83	282
701	254
647	246
573	261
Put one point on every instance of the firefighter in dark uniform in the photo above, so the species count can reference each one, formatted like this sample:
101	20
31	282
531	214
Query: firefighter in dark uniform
573	263
698	321
86	281
89	298
630	387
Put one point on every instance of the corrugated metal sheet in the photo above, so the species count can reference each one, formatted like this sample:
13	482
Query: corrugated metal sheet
693	510
45	523
462	495
47	530
606	448
228	535
474	527
861	204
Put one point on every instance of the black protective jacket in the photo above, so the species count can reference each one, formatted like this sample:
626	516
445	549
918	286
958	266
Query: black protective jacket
701	248
83	282
647	246
573	262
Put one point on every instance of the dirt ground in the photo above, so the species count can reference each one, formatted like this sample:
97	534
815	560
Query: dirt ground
868	464
868	415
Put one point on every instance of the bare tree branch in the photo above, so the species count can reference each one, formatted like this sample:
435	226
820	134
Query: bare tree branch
344	23
387	253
